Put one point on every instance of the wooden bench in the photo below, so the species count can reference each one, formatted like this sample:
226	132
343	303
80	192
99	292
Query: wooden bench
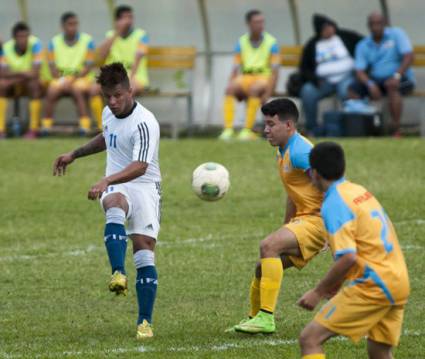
177	59
181	60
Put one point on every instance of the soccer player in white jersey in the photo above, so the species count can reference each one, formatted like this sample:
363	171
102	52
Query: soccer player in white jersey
130	189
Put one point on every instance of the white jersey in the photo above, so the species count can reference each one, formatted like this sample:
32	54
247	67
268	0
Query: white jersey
132	138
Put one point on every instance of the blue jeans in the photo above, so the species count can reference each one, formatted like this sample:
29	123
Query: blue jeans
311	95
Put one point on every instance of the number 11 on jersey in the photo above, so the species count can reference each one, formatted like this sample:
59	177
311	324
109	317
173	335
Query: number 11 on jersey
113	140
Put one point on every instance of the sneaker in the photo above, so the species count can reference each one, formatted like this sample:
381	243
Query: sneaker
261	323
45	132
397	134
232	328
144	330
30	135
247	135
227	134
118	283
83	132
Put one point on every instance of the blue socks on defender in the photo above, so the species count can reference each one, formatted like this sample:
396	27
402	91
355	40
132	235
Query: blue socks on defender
116	238
146	283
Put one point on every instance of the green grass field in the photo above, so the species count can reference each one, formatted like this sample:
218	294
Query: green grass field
54	271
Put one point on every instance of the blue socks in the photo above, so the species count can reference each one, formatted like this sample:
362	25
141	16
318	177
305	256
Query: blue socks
146	284
116	239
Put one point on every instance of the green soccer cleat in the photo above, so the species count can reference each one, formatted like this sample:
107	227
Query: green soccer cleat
118	283
232	328
227	134
247	135
144	330
261	323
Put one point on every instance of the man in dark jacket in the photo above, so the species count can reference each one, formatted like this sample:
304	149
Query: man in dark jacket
327	66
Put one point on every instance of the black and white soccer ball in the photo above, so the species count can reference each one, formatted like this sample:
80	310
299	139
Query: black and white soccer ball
210	181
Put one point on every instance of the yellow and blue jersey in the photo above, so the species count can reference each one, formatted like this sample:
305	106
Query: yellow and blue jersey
259	59
71	59
23	62
294	165
357	223
125	49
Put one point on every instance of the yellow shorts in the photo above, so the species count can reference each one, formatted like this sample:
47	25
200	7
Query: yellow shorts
81	83
247	81
351	314
311	236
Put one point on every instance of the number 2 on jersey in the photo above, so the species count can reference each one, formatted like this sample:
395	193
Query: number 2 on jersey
380	215
113	140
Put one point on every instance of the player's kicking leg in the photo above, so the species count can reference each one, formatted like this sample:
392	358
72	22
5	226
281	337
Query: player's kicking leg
116	207
265	287
146	282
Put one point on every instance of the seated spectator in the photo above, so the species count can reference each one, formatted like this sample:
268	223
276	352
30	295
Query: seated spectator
71	58
383	62
20	75
128	45
254	75
327	67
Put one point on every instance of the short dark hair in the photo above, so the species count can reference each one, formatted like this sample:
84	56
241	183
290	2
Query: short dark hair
120	10
66	16
251	13
284	108
113	75
328	159
18	27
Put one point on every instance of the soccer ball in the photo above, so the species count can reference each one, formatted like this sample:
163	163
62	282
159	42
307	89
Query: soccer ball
210	181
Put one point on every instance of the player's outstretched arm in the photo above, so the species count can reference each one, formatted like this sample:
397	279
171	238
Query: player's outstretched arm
97	144
133	170
327	286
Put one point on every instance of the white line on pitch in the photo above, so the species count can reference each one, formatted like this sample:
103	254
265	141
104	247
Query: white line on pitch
192	348
177	243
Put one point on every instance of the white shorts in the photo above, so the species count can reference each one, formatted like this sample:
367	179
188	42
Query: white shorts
144	206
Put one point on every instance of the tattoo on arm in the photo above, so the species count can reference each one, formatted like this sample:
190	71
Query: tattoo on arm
96	145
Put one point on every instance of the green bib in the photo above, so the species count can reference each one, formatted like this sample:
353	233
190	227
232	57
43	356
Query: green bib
70	60
256	60
16	62
124	50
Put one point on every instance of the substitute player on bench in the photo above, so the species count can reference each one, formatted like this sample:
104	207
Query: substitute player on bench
71	58
367	254
128	45
131	188
254	75
303	234
22	59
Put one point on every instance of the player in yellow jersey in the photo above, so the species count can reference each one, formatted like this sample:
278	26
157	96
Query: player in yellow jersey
71	59
128	45
22	58
254	75
303	234
367	256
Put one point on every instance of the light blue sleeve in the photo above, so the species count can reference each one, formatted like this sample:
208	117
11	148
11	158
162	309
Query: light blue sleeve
91	45
37	48
237	48
336	213
403	43
360	61
51	46
144	39
274	49
300	155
